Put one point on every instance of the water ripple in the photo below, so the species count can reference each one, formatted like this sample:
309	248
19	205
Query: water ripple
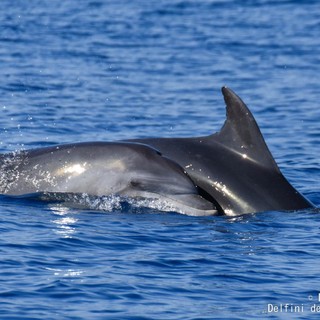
111	70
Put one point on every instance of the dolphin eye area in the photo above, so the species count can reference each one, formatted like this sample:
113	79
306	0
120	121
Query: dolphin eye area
135	184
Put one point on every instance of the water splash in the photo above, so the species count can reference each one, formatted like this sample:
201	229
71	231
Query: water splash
110	203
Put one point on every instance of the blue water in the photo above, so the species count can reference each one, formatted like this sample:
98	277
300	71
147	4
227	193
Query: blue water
108	70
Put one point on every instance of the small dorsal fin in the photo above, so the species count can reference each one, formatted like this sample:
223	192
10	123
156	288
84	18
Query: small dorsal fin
241	134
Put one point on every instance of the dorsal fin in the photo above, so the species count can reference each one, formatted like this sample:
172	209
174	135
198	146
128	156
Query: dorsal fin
241	134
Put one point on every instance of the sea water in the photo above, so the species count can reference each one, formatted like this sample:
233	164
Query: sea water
76	71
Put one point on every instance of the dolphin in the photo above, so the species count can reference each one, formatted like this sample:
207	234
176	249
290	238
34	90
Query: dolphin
230	172
233	168
101	169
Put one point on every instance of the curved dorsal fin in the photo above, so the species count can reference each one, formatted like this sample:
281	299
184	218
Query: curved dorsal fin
241	134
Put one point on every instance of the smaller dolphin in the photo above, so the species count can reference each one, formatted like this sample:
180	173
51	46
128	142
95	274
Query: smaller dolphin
101	169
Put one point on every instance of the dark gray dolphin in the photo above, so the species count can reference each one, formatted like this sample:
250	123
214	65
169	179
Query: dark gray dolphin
100	169
233	168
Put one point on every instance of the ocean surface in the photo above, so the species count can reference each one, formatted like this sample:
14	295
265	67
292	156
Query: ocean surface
76	71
